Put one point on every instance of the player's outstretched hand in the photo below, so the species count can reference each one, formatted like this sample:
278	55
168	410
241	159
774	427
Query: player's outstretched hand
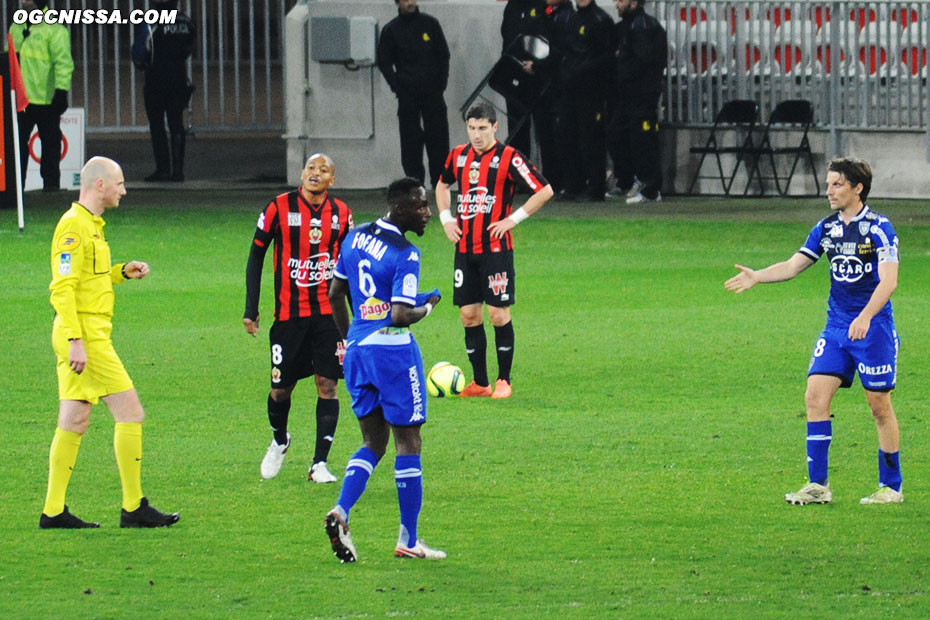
743	281
453	232
136	270
251	326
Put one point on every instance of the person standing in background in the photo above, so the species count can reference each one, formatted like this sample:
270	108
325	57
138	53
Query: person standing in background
162	52
45	59
414	58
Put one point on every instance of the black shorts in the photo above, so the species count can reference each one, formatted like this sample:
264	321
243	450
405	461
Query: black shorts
303	347
487	278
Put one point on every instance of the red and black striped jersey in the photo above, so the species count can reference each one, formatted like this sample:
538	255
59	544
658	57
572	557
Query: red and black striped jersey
486	187
306	244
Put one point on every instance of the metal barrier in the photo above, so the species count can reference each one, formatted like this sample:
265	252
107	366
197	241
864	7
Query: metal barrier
236	67
862	64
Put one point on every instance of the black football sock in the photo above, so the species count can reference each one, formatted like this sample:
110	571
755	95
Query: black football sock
277	417
327	416
476	346
503	338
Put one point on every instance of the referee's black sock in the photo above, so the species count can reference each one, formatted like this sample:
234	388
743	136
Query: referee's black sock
327	416
476	346
277	417
503	338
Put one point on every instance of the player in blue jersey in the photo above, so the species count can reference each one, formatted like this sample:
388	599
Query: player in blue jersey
379	270
860	334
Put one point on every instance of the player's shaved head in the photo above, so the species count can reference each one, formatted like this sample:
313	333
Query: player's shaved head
98	168
327	158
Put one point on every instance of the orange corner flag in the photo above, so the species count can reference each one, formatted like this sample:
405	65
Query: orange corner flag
16	77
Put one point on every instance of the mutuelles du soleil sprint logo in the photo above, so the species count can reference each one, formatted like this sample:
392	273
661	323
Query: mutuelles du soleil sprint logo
102	17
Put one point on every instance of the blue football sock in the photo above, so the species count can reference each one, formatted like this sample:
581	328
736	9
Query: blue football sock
358	471
889	469
409	478
819	435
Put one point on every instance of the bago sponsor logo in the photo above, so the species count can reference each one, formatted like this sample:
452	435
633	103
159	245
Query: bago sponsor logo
374	309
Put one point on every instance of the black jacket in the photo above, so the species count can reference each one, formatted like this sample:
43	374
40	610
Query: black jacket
413	55
519	19
642	55
162	51
589	51
553	26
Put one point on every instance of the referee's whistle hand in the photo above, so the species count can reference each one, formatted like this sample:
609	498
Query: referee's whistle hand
136	270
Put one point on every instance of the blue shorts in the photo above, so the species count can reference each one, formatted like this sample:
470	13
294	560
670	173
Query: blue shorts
875	357
387	376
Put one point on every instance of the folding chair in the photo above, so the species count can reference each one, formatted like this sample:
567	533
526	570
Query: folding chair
508	78
797	116
737	117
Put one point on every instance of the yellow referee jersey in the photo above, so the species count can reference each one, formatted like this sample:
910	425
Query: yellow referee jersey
82	277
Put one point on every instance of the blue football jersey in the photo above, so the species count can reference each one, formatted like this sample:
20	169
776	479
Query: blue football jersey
382	268
855	251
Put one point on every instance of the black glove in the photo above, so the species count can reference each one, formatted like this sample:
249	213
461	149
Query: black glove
60	101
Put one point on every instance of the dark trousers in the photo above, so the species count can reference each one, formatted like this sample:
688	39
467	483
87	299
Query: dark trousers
544	119
520	140
423	121
49	124
583	145
633	142
163	102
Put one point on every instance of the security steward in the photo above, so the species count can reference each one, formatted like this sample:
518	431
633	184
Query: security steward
584	74
551	23
413	56
519	20
633	131
162	52
45	58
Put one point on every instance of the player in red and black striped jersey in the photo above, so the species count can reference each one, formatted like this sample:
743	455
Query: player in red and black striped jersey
307	227
488	173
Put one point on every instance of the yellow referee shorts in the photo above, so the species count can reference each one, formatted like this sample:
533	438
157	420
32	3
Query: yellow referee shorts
104	373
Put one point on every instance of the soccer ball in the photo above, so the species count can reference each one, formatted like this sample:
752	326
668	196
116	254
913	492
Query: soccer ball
445	379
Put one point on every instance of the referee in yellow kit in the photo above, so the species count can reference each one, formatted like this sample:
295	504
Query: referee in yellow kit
88	367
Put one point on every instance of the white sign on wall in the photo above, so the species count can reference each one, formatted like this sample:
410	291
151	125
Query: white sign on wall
72	152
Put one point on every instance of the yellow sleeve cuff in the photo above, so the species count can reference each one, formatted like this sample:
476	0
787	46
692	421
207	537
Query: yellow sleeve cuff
116	273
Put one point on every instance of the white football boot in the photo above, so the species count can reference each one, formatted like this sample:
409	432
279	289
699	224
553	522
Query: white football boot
274	458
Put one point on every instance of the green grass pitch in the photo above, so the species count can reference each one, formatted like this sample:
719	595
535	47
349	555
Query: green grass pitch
637	472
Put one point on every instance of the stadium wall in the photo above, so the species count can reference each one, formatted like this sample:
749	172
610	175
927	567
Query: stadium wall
350	113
